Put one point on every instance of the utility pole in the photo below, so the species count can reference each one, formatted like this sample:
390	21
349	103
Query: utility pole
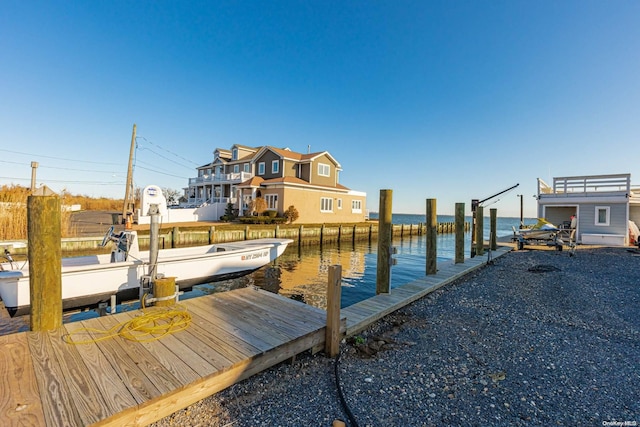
128	194
34	166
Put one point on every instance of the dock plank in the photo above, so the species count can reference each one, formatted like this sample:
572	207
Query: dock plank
161	378
20	402
245	332
91	404
185	363
57	402
125	368
258	317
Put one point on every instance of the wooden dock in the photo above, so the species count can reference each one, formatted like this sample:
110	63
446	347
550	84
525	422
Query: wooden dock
233	335
46	382
364	313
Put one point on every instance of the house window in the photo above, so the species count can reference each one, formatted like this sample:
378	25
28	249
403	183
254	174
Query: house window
326	204
246	167
324	170
339	203
236	168
272	201
261	168
602	215
234	154
356	206
275	166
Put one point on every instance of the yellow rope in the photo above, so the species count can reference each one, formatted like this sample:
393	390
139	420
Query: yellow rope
152	325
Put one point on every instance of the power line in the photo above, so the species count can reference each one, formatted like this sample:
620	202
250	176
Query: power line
59	168
168	151
58	158
161	173
61	181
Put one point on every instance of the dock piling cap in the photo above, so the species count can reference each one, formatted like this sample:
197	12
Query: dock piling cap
43	190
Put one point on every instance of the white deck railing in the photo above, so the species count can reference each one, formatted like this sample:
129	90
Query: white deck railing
224	178
585	185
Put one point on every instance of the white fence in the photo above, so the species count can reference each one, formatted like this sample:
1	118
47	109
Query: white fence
211	212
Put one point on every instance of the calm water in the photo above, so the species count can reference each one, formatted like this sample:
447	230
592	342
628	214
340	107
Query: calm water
301	273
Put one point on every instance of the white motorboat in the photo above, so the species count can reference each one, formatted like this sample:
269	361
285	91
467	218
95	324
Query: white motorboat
90	280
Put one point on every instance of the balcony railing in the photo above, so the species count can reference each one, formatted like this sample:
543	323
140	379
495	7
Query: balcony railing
200	201
586	185
224	178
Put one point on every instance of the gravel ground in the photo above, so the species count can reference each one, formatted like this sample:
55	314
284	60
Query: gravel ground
537	338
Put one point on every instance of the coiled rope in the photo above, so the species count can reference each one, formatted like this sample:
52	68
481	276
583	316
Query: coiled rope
152	325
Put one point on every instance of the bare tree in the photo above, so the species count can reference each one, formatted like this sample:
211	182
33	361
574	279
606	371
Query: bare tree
172	196
258	205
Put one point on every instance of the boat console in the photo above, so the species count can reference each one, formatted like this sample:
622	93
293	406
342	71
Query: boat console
125	244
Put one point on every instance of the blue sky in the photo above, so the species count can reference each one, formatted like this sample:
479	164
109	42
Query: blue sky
452	100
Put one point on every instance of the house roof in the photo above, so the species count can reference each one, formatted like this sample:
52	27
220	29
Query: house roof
252	182
297	157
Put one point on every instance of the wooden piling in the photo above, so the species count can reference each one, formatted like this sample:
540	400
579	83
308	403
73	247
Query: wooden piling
162	288
332	337
432	223
385	230
175	237
212	234
493	243
300	235
459	229
45	255
479	230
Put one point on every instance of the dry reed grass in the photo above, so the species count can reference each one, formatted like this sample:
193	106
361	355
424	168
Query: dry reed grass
13	211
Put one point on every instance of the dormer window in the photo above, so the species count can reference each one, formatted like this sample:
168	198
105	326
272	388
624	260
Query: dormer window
234	154
324	170
275	166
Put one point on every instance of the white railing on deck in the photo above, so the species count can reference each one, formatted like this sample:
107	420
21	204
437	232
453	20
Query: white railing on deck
583	185
221	178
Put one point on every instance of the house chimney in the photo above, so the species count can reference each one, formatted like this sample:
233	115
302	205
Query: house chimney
309	149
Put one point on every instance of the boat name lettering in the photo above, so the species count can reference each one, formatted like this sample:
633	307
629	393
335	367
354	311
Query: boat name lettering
255	255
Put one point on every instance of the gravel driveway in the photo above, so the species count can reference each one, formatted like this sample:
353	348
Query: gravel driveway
537	338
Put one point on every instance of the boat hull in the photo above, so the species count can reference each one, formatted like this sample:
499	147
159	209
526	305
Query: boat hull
89	281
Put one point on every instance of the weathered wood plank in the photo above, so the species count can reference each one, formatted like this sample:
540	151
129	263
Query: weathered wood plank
241	330
309	309
260	318
229	346
277	302
20	403
116	396
126	368
278	313
183	362
57	400
88	397
162	378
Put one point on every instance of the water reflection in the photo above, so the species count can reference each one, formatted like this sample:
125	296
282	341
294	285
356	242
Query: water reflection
301	273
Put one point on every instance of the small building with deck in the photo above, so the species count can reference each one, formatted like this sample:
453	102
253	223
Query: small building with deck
603	206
